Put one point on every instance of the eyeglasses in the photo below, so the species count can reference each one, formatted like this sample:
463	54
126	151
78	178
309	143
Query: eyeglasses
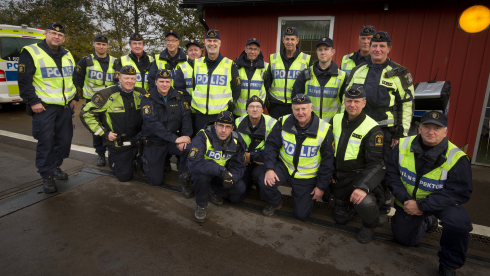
56	34
171	41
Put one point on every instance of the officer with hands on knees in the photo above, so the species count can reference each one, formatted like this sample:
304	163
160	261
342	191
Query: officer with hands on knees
252	69
93	73
254	127
44	75
359	164
430	178
217	164
323	82
165	114
299	150
138	59
362	55
115	114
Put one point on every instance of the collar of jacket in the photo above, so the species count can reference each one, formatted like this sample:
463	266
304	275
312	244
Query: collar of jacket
332	70
180	56
243	61
353	123
106	59
312	131
383	65
295	55
433	153
244	127
135	58
61	51
210	62
357	56
211	133
156	97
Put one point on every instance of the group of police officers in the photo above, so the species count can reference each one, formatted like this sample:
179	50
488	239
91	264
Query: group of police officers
334	133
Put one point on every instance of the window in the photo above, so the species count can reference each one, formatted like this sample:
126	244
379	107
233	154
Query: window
310	29
11	46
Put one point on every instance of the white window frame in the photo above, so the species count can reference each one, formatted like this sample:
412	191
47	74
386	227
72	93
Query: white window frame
298	18
480	125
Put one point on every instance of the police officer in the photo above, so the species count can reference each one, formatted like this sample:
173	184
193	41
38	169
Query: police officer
359	164
362	55
299	150
252	69
216	82
174	60
165	114
254	127
322	82
44	74
281	75
193	50
94	73
216	161
115	114
389	95
430	178
138	59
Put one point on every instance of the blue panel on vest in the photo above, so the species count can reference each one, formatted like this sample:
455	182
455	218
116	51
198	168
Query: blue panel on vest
53	72
220	80
188	83
281	74
306	151
426	184
11	75
217	155
254	85
99	75
328	92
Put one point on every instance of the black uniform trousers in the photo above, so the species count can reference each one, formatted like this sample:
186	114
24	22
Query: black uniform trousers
279	110
97	141
202	120
202	183
153	160
53	130
121	161
385	203
302	188
252	175
456	226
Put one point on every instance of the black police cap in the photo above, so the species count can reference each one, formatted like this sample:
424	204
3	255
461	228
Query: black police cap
356	91
434	117
172	32
136	37
213	34
253	40
254	99
301	99
326	41
101	38
163	74
56	27
367	30
128	70
225	117
381	37
193	42
291	31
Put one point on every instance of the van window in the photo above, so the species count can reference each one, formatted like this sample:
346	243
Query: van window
11	46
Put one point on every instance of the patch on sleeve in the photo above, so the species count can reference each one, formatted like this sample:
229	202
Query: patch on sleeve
116	75
193	153
146	110
21	68
238	81
378	140
78	69
97	98
409	79
186	106
244	158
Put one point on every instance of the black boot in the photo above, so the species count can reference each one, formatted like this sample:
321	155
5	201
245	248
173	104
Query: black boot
49	185
365	235
60	175
101	160
185	185
445	271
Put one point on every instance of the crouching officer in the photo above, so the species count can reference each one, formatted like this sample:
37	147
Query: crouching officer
430	178
254	127
114	114
359	164
164	113
299	150
45	82
216	161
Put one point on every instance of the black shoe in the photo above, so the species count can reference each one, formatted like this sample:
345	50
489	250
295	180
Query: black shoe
101	160
184	184
444	271
382	219
49	185
200	214
433	226
60	175
365	235
214	198
269	210
167	167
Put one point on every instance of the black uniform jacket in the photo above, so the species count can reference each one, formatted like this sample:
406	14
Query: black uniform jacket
256	135
143	64
81	70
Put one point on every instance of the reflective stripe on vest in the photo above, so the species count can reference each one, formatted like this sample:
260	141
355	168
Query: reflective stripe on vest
249	88
325	100
51	85
347	64
269	124
143	83
94	77
354	143
310	157
281	88
217	156
434	180
212	93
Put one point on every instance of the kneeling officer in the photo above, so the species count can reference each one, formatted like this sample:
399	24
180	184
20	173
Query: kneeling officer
114	113
359	164
217	163
165	113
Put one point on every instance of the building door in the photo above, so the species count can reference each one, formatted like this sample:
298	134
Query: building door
481	153
310	29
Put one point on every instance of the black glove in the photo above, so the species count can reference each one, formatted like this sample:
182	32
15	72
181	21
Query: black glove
227	179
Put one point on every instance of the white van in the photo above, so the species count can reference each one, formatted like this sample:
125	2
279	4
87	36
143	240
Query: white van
12	40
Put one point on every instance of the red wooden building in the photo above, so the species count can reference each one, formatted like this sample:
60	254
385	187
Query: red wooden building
425	37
